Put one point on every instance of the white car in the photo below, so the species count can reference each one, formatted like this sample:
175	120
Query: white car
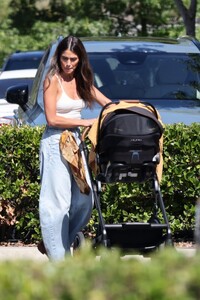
8	79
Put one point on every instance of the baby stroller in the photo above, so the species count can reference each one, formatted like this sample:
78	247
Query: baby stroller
127	149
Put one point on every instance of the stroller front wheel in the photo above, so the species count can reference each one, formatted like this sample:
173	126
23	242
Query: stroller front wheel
79	241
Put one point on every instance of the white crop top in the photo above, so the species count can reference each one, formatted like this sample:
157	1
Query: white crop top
68	107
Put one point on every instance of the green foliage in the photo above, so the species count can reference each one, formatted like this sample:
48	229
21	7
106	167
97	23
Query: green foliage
181	160
168	275
181	183
4	10
19	178
20	183
41	34
23	14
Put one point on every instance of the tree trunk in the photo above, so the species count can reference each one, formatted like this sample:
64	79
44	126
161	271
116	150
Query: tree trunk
188	15
144	26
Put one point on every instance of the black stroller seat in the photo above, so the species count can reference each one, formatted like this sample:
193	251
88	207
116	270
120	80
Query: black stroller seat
128	145
128	149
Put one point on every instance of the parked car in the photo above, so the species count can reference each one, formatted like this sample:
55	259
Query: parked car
163	72
20	60
8	79
19	67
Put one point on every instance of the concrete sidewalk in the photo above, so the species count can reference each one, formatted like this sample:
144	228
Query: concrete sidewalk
32	253
21	252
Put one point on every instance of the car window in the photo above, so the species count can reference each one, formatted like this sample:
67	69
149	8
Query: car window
36	95
23	60
46	64
131	75
19	64
37	80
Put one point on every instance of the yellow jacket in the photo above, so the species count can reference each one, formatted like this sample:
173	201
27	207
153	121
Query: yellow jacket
71	152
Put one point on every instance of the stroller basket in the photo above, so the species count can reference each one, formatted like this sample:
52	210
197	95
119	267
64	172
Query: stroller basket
128	145
136	235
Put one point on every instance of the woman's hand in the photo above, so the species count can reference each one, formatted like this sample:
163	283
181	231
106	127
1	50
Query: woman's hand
88	122
100	98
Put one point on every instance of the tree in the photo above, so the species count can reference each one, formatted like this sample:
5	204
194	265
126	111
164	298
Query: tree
23	14
188	15
4	10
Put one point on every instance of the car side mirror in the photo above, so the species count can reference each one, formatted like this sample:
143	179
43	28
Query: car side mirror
18	94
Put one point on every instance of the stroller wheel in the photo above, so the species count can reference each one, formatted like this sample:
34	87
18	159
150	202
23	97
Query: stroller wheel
154	220
166	244
79	240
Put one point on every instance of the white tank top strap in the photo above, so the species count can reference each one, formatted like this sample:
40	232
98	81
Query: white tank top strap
60	82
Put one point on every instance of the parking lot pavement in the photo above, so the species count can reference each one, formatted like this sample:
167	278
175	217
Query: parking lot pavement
32	253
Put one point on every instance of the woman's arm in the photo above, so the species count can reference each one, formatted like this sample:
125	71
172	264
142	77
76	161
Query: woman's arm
100	98
50	97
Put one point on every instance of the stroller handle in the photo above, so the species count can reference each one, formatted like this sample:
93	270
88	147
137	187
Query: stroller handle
84	133
130	101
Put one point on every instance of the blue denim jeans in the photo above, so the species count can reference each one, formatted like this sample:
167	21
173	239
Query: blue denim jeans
63	209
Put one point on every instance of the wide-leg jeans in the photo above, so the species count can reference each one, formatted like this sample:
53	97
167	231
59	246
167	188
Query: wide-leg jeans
63	209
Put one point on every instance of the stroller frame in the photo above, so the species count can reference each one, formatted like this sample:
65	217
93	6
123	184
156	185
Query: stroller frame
136	236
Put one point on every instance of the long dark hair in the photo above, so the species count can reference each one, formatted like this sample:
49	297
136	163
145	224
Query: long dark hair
83	73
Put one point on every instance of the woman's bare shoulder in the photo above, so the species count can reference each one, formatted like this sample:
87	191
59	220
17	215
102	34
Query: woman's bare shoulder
51	81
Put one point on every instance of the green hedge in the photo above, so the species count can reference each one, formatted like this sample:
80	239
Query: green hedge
20	184
168	275
19	181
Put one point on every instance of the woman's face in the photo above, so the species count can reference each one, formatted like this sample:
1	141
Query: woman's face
69	61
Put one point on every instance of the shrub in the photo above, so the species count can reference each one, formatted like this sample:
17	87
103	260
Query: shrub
20	184
168	275
19	180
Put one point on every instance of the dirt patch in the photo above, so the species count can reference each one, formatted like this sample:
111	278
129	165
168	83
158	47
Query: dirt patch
184	244
17	244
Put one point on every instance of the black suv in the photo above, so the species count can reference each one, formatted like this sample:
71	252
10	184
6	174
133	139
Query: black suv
164	72
22	60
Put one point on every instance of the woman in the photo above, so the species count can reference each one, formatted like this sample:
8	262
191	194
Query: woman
68	88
